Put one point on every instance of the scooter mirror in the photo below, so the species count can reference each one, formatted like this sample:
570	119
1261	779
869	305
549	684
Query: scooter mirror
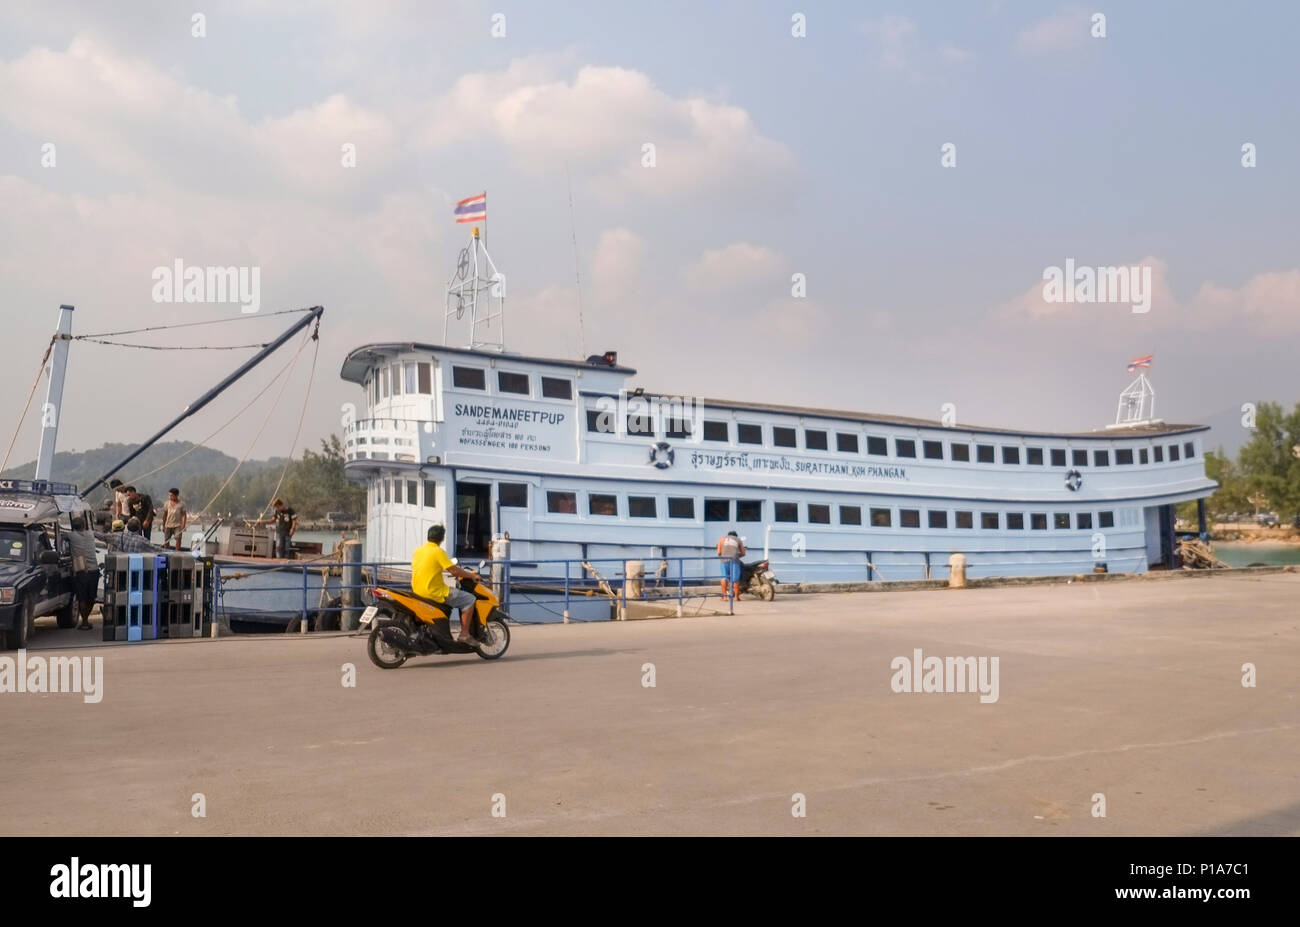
455	561
482	564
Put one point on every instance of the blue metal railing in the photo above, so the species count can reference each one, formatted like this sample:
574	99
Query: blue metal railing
677	579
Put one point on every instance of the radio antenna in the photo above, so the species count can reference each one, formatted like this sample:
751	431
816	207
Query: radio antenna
577	277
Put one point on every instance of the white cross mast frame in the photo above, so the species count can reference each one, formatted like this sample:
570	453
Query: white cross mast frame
1137	404
479	289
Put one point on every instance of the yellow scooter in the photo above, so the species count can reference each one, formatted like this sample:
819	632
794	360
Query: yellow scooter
404	625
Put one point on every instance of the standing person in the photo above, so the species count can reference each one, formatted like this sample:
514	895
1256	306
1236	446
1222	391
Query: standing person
731	549
175	517
85	568
131	541
140	506
286	522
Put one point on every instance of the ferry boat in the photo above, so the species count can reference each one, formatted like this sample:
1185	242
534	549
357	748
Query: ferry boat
572	459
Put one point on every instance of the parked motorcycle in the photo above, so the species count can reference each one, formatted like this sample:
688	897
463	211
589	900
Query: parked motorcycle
403	625
757	579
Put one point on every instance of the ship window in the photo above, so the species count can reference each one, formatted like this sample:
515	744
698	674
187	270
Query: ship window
938	519
1079	458
508	382
716	431
641	506
1123	455
904	447
1158	454
424	370
557	388
600	420
877	446
749	434
1083	521
468	377
512	495
850	515
933	450
562	503
1142	455
412	492
1016	521
681	508
1105	519
786	511
373	388
1061	521
965	520
677	427
602	504
1034	456
639	424
819	514
989	521
1101	458
387	484
749	510
395	379
984	453
1038	521
1010	455
1173	452
882	518
784	437
846	443
1189	451
814	440
909	518
1058	457
412	379
382	377
959	452
717	509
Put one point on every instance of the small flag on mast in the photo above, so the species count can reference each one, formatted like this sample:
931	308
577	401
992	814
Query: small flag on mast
1140	362
473	209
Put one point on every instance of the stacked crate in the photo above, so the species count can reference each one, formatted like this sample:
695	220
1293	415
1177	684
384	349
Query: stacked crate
152	596
186	595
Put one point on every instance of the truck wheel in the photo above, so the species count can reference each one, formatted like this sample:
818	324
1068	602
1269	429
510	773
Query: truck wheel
16	637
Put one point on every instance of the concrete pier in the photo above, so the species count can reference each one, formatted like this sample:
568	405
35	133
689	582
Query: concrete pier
1127	690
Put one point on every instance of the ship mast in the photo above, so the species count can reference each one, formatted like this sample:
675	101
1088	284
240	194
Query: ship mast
56	369
477	287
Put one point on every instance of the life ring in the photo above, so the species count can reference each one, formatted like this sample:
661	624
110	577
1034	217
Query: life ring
1073	480
661	455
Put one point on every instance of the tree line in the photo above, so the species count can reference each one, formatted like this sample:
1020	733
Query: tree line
1266	472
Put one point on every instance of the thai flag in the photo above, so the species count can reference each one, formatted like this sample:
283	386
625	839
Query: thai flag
1140	362
472	209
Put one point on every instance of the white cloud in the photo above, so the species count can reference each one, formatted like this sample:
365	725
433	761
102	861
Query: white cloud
737	266
898	47
1065	29
599	120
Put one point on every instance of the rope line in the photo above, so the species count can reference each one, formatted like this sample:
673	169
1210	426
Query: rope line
156	328
228	422
257	436
302	415
22	418
174	347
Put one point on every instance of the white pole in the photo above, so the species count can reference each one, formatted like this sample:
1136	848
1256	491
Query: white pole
54	395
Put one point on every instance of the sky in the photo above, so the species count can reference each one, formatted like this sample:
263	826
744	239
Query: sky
132	136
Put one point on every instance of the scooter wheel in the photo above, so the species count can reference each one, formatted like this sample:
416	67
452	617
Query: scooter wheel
496	640
766	592
382	654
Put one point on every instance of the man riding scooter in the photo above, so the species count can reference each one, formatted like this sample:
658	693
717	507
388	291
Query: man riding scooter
427	567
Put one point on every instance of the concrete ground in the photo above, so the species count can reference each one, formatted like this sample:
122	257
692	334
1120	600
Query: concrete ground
1129	690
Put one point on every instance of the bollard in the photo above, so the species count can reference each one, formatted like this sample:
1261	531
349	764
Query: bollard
350	617
957	571
634	571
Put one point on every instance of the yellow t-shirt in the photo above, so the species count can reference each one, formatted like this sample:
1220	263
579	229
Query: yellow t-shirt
426	572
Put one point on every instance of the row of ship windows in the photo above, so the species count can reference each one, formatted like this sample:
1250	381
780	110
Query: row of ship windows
904	448
415	378
561	502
